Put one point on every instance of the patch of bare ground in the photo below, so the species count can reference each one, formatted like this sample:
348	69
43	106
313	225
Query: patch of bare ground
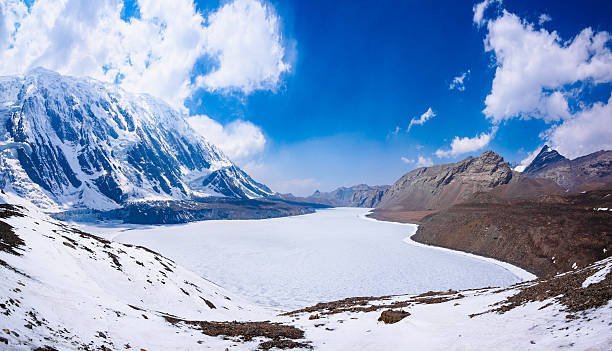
544	235
392	316
9	240
566	289
280	335
373	303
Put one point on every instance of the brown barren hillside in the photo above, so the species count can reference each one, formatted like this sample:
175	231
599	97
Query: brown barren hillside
544	235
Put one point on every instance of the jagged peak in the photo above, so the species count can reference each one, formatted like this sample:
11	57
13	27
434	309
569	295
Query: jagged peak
546	156
490	154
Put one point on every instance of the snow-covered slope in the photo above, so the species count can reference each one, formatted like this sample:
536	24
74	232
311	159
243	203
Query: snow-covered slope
572	311
72	290
71	142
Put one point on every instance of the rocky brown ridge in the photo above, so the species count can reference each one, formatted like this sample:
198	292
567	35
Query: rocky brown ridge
583	173
441	186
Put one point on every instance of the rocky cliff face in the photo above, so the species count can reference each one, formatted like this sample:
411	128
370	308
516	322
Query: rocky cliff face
361	195
80	143
583	173
442	186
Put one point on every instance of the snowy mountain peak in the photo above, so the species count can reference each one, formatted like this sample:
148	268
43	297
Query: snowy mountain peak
79	143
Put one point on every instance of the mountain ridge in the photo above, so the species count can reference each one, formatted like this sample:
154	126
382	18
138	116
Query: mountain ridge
96	146
583	173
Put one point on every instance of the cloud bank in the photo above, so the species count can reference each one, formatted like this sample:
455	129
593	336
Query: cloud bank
155	52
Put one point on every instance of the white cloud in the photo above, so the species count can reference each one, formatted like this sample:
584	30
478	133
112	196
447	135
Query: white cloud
407	160
155	53
527	160
426	116
464	145
540	75
585	132
458	82
240	140
479	10
424	161
544	18
244	35
534	68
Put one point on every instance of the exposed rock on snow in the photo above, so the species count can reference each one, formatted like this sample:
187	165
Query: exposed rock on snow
393	316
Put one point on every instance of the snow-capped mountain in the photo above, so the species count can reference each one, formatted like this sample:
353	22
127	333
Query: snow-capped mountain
72	142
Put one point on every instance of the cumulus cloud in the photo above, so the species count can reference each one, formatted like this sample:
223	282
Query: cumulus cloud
464	145
239	140
585	132
535	67
426	116
540	75
458	82
155	52
479	10
236	29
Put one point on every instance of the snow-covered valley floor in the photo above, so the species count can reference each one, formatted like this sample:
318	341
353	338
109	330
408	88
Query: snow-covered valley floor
294	262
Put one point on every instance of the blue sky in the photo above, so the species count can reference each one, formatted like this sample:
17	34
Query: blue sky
308	95
363	69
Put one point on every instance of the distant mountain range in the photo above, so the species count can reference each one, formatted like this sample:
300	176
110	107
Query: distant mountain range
72	143
361	195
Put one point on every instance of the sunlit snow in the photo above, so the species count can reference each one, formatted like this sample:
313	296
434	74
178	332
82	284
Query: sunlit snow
297	261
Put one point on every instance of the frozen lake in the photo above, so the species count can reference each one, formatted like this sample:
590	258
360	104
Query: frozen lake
297	261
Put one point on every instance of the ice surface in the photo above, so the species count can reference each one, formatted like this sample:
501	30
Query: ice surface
297	261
